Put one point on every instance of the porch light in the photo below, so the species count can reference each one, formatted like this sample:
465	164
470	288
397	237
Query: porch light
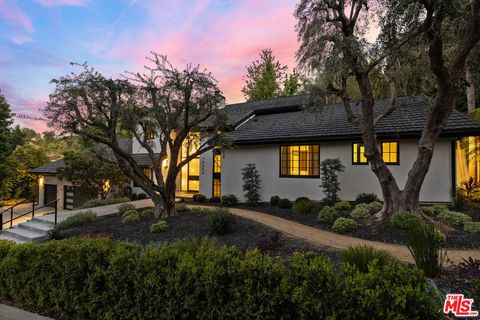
106	185
41	181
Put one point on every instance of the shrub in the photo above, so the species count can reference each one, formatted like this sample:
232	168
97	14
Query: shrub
458	200
361	210
198	197
301	199
274	200
375	206
118	200
214	199
435	210
366	197
198	210
304	206
125	207
141	196
77	220
284	204
425	248
194	280
229	200
269	241
220	221
131	216
344	225
360	256
93	203
133	196
472	227
159	226
404	220
343	205
146	213
469	268
329	170
181	207
454	218
251	183
327	215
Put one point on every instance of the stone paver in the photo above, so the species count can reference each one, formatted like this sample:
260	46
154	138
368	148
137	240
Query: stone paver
339	241
11	313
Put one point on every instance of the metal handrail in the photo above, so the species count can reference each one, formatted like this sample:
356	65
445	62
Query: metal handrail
29	212
23	201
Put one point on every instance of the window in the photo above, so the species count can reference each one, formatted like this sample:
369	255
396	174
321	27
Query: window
217	173
299	161
150	134
390	152
358	150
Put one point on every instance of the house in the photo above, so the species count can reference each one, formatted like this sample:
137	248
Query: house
287	144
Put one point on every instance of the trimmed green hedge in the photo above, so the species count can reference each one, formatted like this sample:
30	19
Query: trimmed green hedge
103	279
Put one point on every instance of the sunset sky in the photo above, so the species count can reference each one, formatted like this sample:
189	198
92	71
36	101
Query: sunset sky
38	39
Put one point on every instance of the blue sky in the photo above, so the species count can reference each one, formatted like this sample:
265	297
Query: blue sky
38	39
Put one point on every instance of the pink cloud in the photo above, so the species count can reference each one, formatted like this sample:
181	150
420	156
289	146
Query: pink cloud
15	16
53	3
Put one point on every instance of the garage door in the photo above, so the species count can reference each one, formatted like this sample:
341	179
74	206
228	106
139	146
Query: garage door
50	194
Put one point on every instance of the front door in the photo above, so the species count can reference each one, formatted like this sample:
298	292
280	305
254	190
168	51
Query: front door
50	195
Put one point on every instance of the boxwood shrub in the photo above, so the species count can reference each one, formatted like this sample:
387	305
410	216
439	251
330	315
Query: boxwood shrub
104	279
361	210
404	220
284	203
220	221
343	205
274	200
159	226
453	218
472	227
344	225
303	206
229	200
327	215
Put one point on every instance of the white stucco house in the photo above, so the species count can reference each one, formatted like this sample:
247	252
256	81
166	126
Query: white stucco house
287	144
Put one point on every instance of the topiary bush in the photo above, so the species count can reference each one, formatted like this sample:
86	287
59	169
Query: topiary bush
366	197
77	220
194	280
181	207
133	196
343	205
453	218
274	200
304	206
214	199
422	241
142	196
159	226
375	206
125	207
284	204
362	210
472	227
327	215
361	256
229	200
302	199
198	197
131	216
344	225
220	221
404	220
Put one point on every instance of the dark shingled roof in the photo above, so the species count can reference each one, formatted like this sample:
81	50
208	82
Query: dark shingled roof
331	122
49	168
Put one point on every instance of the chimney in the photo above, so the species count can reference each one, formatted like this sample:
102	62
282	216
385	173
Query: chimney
221	103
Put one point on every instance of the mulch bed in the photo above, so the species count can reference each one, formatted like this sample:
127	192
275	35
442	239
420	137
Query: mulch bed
191	225
370	228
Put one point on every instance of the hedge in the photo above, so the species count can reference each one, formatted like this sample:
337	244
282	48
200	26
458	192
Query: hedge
103	279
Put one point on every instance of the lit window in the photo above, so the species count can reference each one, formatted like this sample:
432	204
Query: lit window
390	152
217	163
150	134
358	152
299	161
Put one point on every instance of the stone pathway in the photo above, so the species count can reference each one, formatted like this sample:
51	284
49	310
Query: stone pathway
12	313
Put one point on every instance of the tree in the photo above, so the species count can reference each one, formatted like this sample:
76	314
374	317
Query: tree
265	78
180	106
86	170
329	175
251	183
333	41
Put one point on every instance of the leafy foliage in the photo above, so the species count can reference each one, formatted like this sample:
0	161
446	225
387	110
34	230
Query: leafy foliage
454	218
198	197
361	210
361	256
220	221
304	206
269	241
404	220
181	207
77	220
344	225
130	216
274	200
469	267
343	205
159	226
366	197
284	203
327	215
422	241
251	183
229	200
329	170
471	227
124	207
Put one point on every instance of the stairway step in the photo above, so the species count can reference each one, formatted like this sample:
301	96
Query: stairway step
4	236
36	226
23	234
44	221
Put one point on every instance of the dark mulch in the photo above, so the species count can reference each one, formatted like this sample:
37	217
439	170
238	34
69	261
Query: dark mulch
190	225
370	228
